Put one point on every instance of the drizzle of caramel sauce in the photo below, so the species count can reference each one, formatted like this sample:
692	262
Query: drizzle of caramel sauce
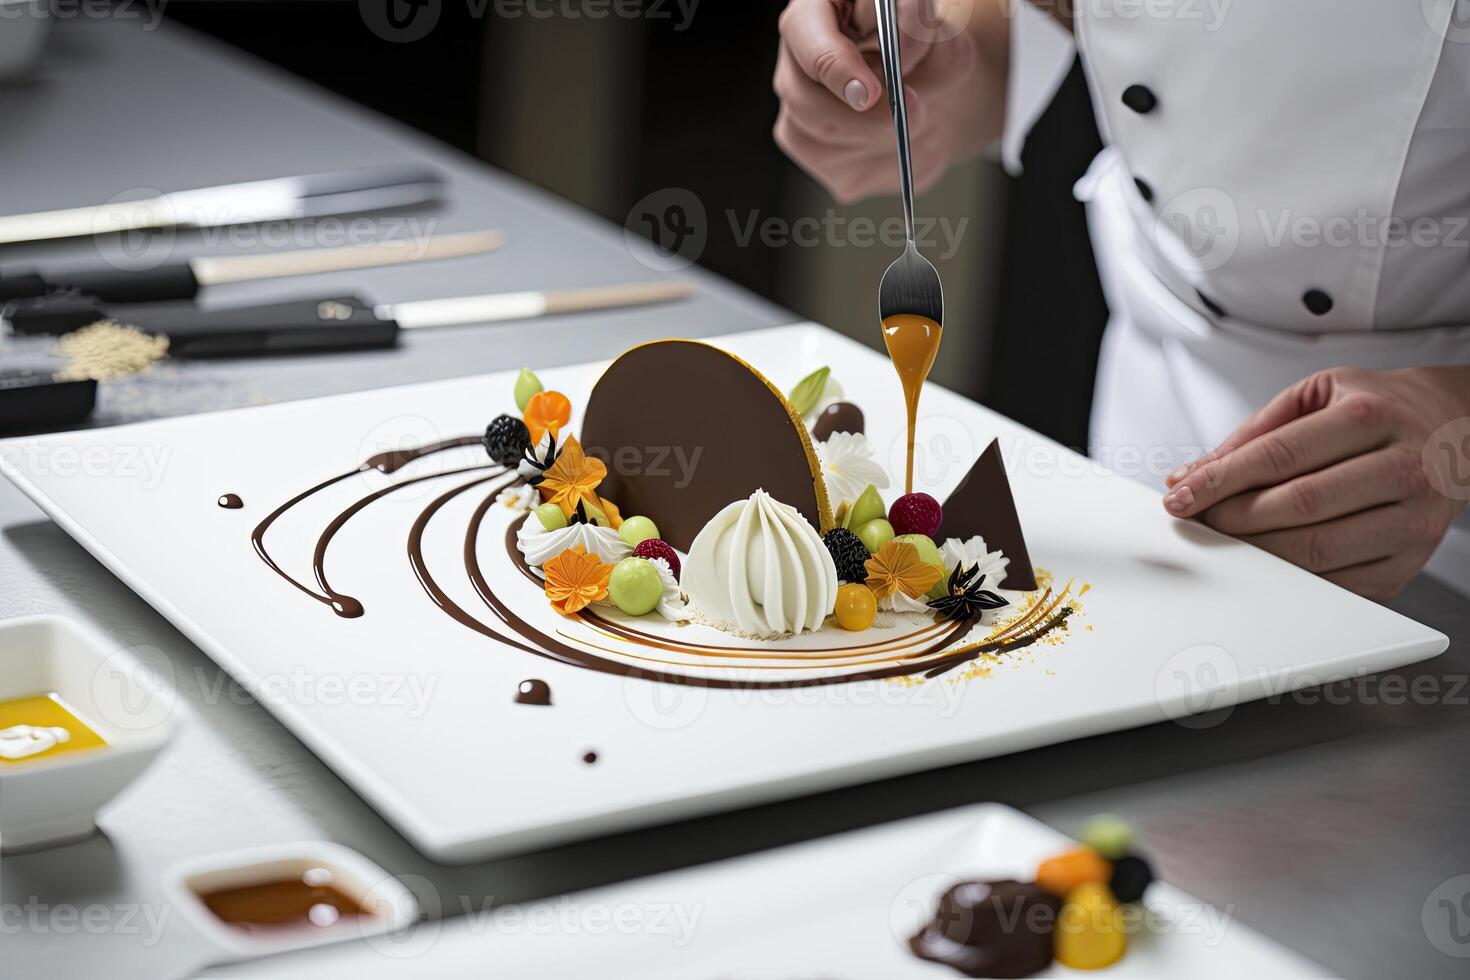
913	342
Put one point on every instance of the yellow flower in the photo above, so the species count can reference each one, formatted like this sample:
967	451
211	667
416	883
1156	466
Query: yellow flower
574	477
574	579
898	568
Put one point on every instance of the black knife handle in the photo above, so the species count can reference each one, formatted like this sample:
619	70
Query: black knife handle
333	324
54	313
173	281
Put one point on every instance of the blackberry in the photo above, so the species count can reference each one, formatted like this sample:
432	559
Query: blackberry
1131	878
506	439
848	553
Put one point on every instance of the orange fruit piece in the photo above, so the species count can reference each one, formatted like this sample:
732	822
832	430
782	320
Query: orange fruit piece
546	410
1070	869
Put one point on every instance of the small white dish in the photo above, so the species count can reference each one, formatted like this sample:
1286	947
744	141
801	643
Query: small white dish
24	25
390	906
53	799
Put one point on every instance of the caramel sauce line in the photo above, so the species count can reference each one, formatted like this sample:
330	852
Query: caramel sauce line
618	631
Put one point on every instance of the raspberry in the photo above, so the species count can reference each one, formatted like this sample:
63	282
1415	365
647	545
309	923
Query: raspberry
655	548
916	513
506	440
849	554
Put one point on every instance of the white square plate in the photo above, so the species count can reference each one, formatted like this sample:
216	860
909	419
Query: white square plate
841	907
415	711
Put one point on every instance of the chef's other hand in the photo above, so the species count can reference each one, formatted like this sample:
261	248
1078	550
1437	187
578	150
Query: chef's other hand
1333	475
834	119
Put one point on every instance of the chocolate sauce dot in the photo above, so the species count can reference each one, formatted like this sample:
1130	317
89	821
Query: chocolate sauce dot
590	758
346	607
230	501
533	691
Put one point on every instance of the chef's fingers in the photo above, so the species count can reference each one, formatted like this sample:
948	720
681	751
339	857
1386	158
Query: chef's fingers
1308	395
1345	541
812	31
1383	477
923	25
1300	446
810	106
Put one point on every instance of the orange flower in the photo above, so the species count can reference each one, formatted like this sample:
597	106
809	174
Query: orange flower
614	516
574	477
574	579
898	568
546	410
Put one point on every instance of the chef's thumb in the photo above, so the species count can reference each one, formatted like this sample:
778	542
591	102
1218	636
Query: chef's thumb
812	33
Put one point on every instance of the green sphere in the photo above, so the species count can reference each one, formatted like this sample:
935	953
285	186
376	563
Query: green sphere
929	555
551	517
635	586
527	384
636	530
875	534
1108	835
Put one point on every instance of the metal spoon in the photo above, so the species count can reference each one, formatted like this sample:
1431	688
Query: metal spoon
911	284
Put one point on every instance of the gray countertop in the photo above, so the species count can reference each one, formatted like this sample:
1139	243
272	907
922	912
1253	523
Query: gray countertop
1325	819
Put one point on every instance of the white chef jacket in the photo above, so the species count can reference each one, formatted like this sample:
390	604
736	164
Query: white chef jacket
1285	188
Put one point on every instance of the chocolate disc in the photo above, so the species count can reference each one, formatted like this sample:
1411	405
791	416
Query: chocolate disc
686	428
983	504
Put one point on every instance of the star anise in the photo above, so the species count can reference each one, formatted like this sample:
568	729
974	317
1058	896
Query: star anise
967	598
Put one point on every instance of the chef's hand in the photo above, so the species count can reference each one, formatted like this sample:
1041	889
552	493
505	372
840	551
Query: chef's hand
1333	475
834	119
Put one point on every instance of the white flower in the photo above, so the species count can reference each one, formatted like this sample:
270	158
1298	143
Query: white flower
848	466
542	452
519	498
902	602
972	551
671	604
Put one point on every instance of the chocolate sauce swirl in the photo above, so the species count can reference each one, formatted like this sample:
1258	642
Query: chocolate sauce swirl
505	626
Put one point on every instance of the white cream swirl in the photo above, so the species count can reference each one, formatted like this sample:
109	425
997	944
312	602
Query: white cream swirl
759	569
671	605
539	545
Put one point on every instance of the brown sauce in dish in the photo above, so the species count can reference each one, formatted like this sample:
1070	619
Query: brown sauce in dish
310	901
913	342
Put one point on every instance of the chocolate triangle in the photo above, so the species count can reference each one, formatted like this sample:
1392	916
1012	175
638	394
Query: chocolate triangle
982	504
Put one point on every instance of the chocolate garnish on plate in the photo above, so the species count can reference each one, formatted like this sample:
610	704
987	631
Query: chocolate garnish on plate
837	417
991	929
983	504
685	428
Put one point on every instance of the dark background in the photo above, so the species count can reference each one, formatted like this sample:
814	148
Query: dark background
690	105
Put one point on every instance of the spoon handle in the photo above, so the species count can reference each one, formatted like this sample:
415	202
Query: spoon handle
893	80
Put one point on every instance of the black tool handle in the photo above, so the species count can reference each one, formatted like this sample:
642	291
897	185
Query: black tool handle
332	324
173	280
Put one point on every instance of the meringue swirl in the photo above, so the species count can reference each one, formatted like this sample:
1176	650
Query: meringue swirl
539	545
758	568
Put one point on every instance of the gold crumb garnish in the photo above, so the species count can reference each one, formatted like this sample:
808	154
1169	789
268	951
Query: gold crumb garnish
108	349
